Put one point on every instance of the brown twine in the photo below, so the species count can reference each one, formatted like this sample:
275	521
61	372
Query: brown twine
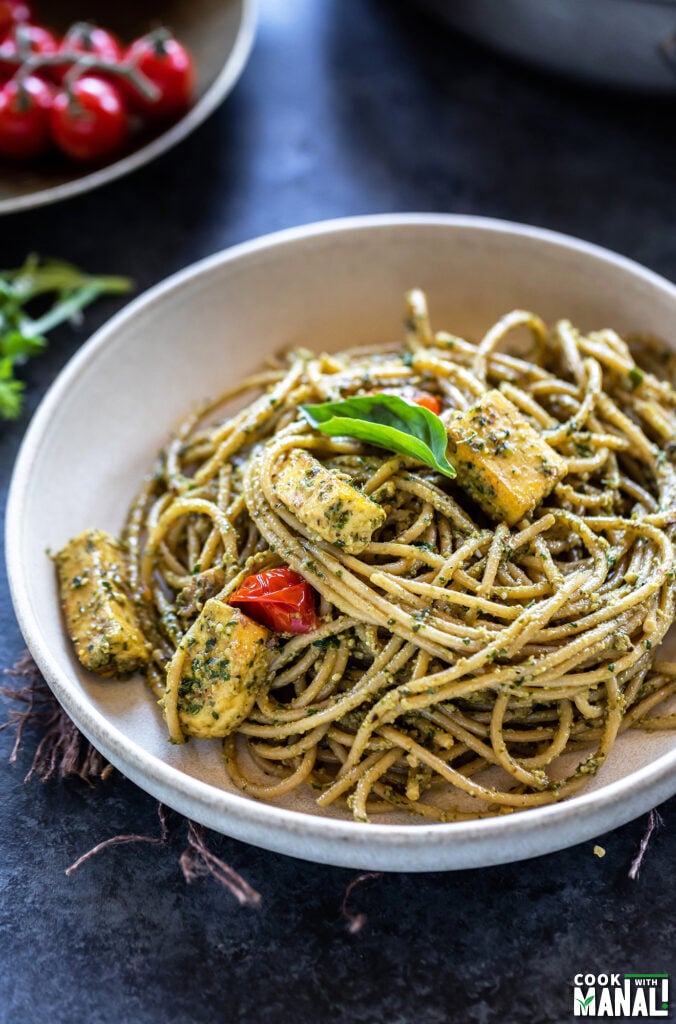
655	821
162	839
198	860
64	752
355	922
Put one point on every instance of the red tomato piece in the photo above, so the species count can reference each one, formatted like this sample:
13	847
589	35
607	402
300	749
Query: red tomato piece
411	394
170	67
24	117
12	12
89	121
37	39
428	401
280	599
85	38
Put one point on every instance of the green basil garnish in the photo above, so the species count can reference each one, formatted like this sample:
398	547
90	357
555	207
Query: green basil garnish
386	421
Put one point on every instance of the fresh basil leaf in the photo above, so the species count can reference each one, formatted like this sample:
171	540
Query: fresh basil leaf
386	421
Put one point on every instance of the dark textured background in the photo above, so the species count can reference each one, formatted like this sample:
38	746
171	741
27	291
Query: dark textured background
347	106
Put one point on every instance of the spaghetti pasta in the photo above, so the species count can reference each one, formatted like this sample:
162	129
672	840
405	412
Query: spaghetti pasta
459	663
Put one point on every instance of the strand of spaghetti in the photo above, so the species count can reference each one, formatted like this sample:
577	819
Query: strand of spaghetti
444	686
493	337
592	393
526	403
495	553
435	688
332	670
535	779
263	792
367	781
298	643
643	707
183	507
460	781
263	409
569	340
170	699
373	679
282	753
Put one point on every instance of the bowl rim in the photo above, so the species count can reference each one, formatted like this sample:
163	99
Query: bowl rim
348	843
215	94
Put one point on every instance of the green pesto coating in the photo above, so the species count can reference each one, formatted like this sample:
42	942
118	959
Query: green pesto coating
98	609
226	662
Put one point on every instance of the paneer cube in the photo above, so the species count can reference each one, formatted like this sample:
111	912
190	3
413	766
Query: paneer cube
502	462
97	606
225	664
326	503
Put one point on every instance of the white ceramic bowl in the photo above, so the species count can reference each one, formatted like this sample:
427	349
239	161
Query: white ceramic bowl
326	285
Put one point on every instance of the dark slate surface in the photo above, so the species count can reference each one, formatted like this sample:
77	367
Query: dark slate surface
346	107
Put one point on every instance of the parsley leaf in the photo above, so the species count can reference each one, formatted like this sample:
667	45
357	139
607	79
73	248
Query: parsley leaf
10	391
22	335
636	377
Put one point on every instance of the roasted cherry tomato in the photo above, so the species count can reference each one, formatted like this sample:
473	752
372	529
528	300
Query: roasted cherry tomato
169	66
411	394
427	400
86	38
89	121
12	12
35	38
279	599
24	117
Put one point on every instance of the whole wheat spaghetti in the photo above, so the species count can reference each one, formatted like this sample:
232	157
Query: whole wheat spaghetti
458	655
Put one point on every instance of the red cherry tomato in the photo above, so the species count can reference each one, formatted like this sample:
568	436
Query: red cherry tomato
24	117
411	394
169	66
86	38
11	13
427	401
89	122
279	599
36	38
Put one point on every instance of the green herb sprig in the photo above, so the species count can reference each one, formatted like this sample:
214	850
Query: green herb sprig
386	421
23	335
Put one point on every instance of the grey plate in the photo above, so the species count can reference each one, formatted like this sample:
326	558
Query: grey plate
629	44
219	34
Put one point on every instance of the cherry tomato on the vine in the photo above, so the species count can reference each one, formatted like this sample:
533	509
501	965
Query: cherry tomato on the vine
24	117
89	121
88	116
278	598
12	12
85	38
169	66
35	38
